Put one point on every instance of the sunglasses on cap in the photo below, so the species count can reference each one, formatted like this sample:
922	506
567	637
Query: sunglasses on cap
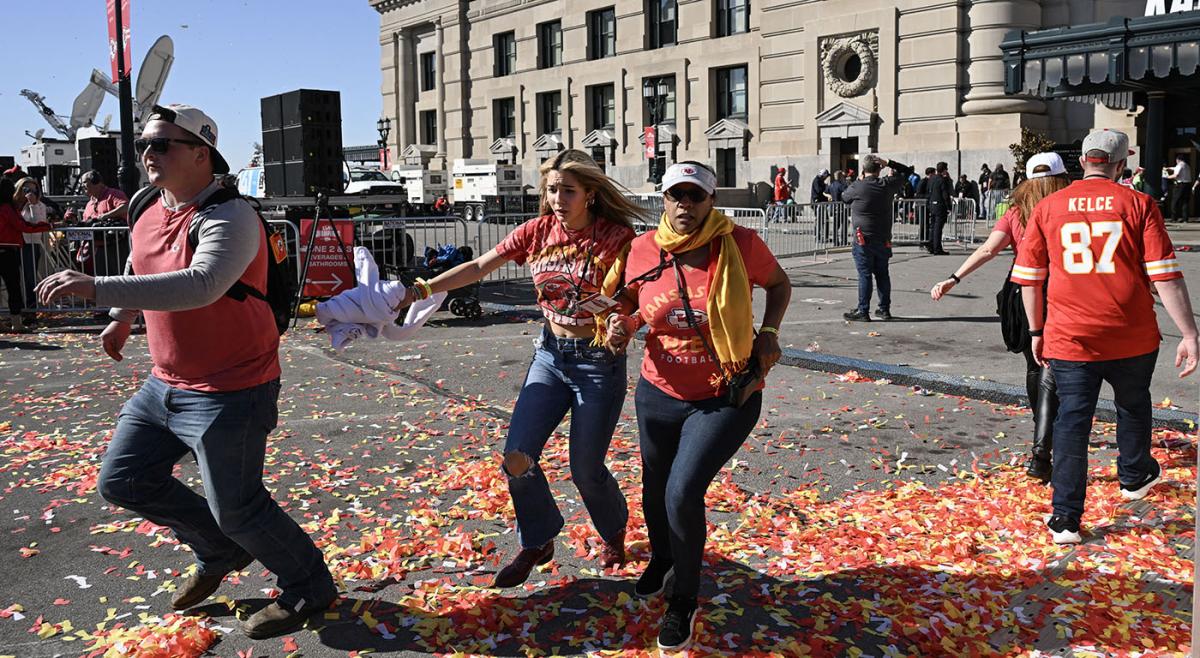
161	144
677	194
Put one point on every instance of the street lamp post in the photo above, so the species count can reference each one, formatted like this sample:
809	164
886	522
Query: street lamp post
384	126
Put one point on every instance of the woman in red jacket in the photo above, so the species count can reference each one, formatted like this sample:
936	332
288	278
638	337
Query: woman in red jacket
12	230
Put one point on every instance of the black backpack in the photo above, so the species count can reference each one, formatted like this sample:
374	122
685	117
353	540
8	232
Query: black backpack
281	290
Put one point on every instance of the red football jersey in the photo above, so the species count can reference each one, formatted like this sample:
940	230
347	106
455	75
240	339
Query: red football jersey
1100	244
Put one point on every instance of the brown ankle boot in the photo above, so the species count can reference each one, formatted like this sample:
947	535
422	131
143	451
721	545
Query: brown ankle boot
613	553
518	570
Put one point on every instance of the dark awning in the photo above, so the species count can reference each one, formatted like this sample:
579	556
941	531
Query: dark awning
1126	54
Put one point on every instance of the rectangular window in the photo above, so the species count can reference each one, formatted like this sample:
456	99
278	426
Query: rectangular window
660	23
549	44
603	108
505	117
602	33
429	134
658	97
731	93
733	17
428	71
505	45
549	112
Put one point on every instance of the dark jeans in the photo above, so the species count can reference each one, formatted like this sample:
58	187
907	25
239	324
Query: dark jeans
10	272
31	256
1181	201
1078	389
938	214
872	261
227	435
684	445
568	374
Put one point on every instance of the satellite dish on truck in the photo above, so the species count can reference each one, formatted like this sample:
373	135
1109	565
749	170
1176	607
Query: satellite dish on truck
153	75
87	105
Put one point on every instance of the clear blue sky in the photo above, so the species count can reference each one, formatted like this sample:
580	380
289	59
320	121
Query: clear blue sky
228	55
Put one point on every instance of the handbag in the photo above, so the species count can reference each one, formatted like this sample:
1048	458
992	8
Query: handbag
743	384
1014	326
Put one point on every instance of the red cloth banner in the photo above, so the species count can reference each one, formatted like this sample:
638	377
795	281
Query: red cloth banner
112	38
651	138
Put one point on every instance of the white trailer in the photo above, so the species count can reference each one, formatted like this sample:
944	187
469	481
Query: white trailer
475	179
423	186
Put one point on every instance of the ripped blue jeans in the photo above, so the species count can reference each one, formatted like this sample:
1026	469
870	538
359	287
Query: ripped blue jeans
567	374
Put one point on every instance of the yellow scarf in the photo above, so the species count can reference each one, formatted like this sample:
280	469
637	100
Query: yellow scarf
730	317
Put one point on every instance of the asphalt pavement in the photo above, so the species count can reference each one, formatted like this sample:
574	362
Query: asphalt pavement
879	507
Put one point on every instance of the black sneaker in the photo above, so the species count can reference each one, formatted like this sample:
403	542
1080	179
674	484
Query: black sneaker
1139	489
1064	530
678	624
883	314
654	578
857	316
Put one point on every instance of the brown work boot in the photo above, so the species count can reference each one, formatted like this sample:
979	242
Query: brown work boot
277	618
613	553
518	570
200	586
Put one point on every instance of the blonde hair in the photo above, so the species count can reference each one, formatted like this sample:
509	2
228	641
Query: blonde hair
19	197
608	202
1031	191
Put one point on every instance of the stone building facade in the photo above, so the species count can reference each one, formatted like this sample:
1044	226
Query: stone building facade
746	85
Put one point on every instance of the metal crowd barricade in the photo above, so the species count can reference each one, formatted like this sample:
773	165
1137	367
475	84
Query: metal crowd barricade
964	220
910	223
489	232
291	238
94	250
752	218
399	243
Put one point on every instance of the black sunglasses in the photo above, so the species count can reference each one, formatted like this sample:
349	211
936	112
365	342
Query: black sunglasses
696	195
161	144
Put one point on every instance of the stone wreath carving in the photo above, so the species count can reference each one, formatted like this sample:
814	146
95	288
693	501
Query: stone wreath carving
833	64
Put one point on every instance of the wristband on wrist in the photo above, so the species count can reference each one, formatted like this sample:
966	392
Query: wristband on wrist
954	278
1036	333
769	330
424	291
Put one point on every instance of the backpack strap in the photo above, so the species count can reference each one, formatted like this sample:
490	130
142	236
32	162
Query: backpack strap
141	202
239	290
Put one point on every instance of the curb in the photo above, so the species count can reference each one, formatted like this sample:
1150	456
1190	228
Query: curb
976	389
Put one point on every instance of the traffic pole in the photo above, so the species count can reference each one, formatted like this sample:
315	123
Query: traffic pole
128	171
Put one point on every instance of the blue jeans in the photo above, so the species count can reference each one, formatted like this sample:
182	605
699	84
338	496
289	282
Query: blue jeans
567	374
684	446
1078	389
872	261
236	517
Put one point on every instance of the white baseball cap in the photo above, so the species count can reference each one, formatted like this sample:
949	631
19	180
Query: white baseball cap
1052	160
198	124
686	172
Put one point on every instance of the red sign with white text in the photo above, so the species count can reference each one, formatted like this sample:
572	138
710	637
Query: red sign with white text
328	270
112	37
650	134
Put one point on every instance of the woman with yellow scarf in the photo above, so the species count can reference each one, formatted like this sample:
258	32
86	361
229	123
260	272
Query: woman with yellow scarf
690	281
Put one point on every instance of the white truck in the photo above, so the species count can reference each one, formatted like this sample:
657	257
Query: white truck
423	186
475	179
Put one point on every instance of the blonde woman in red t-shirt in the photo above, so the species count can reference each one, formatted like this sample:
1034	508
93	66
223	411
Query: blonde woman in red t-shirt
691	282
1045	174
585	227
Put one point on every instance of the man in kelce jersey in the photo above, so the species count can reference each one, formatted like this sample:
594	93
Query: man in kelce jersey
1101	245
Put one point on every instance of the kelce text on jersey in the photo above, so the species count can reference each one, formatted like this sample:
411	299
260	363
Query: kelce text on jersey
1089	204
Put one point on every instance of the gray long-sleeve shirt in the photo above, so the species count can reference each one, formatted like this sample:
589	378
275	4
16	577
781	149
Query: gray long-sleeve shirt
870	199
228	238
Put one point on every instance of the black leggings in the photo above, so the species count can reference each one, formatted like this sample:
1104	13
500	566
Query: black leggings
684	446
10	272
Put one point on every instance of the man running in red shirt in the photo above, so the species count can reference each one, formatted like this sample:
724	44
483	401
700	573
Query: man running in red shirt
1101	245
783	191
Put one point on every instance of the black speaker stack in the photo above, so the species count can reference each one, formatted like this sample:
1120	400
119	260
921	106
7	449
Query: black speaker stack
302	142
100	153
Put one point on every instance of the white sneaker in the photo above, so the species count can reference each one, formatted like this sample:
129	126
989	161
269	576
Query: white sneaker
1064	530
1139	490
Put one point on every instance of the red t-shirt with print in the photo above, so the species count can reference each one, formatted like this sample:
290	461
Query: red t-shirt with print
558	261
676	360
1100	244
